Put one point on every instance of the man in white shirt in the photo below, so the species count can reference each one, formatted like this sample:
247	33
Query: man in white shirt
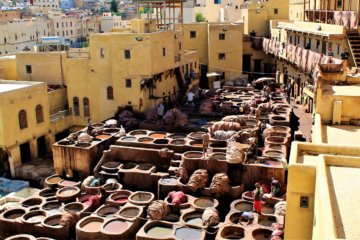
160	112
190	99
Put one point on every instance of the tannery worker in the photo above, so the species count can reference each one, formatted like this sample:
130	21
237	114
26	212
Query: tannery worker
206	142
257	198
160	112
275	187
246	217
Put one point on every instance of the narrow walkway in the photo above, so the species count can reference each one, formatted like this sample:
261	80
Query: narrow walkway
305	120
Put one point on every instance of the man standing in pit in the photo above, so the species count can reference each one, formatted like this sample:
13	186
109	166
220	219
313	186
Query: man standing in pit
257	198
206	142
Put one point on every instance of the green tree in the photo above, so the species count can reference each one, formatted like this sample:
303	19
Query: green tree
200	18
114	6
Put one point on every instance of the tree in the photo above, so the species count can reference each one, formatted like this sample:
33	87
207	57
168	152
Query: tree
200	18
114	6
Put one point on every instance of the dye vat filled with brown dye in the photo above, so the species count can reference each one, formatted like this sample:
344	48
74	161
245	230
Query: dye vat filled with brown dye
204	202
93	225
231	232
116	226
244	206
103	136
157	135
34	217
266	221
261	234
129	212
14	213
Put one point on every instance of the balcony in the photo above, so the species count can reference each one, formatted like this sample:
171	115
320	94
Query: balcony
348	19
60	115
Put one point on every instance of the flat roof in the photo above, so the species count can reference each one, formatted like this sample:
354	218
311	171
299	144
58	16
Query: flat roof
345	135
11	85
351	90
345	198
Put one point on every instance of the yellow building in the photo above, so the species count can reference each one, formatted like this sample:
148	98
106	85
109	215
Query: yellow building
31	115
219	47
9	14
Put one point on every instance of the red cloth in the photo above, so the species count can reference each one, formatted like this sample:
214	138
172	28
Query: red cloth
258	206
94	201
177	198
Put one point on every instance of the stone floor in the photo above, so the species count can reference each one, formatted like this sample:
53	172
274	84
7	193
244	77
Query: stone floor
305	120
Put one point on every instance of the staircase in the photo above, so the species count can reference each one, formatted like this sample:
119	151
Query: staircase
354	44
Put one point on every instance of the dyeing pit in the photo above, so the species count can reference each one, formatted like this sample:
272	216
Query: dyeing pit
91	224
129	212
112	187
14	213
22	237
128	165
141	196
145	140
97	125
161	141
172	217
219	156
111	167
157	135
111	130
115	226
218	144
235	217
244	206
121	197
67	183
53	180
193	218
266	220
74	207
53	220
68	191
274	153
232	232
34	217
267	209
159	231
137	133
65	143
177	136
204	202
187	233
196	135
31	202
48	192
107	211
53	207
128	139
145	166
196	144
261	234
103	136
177	142
82	144
193	155
278	118
169	181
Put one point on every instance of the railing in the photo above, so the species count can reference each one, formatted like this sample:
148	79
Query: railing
60	115
78	54
348	19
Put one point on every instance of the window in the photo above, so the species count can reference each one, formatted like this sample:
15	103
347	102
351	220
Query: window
39	114
236	7
23	119
57	26
127	54
221	56
110	93
298	41
28	69
304	202
128	83
290	39
339	3
15	36
102	53
222	36
276	11
192	34
86	107
317	44
76	106
164	52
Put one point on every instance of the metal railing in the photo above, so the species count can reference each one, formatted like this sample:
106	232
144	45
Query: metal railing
60	115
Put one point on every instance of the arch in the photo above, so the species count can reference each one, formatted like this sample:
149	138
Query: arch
86	107
76	106
39	114
23	119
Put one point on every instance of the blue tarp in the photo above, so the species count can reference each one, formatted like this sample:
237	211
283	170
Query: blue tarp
8	186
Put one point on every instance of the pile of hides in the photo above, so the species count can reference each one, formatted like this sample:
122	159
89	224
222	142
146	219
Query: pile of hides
85	138
111	123
206	107
241	119
225	107
210	217
223	135
94	201
175	117
220	184
182	174
87	182
69	219
177	198
158	210
163	152
127	119
152	115
243	136
280	208
226	126
96	131
234	153
198	180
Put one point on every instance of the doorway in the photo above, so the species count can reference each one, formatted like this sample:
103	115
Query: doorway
25	152
247	65
41	143
204	84
61	135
